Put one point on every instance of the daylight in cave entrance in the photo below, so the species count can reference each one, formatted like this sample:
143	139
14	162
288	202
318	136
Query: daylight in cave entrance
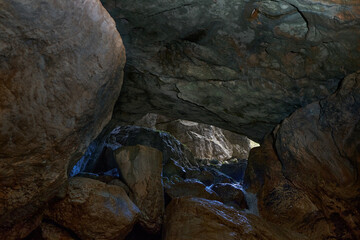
132	119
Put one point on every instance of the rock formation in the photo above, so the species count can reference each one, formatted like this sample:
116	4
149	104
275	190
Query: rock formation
239	65
308	170
95	210
50	231
284	73
141	169
204	141
198	219
61	65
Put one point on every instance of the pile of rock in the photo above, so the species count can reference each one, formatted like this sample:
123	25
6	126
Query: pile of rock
148	196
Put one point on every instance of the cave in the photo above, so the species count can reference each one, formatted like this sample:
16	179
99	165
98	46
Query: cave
134	119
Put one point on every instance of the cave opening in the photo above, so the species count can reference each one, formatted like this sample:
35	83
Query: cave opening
198	160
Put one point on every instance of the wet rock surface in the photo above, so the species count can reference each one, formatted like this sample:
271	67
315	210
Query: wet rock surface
141	169
61	67
238	65
95	210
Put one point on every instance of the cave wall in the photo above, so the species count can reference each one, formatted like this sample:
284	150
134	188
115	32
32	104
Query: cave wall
306	173
239	65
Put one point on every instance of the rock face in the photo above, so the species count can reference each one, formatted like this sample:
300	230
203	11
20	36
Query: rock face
94	210
239	65
204	141
60	74
198	219
141	169
50	231
189	188
173	151
230	194
312	164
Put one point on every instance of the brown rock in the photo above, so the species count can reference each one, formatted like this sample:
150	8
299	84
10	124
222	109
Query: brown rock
141	168
230	194
95	210
204	176
190	188
320	143
60	74
309	175
199	219
22	228
279	201
50	231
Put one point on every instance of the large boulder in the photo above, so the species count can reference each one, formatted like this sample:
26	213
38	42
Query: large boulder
171	148
198	219
95	210
308	169
60	74
204	141
239	65
141	170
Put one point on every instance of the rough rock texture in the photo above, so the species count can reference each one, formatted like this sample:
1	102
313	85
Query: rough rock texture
312	167
171	148
234	170
189	188
95	210
50	231
141	169
204	141
199	219
239	65
61	67
230	194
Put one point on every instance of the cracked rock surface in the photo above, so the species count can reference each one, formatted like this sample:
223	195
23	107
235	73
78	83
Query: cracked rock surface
239	65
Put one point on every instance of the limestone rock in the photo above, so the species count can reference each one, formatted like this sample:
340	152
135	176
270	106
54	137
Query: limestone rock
198	219
141	169
321	144
189	188
170	147
204	141
50	231
60	74
312	167
95	210
239	65
279	201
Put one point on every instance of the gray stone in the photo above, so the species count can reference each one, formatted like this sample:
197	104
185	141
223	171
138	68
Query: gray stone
239	65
